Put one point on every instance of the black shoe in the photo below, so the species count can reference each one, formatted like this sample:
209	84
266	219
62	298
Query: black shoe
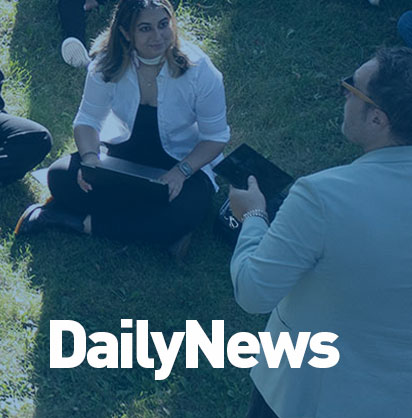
38	217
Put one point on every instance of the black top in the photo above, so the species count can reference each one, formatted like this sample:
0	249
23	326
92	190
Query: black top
144	145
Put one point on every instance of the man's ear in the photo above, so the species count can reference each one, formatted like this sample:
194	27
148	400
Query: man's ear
379	118
124	33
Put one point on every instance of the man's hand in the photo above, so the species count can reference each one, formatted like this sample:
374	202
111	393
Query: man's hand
242	201
174	178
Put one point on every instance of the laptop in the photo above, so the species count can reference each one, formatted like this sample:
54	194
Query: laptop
114	172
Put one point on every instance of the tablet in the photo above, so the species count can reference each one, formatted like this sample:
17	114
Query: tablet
245	161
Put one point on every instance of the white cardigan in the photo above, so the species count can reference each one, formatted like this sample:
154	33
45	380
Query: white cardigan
191	108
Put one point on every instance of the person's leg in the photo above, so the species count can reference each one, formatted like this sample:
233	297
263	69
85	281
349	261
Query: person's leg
186	212
69	207
23	145
62	181
405	28
73	19
258	408
119	213
162	225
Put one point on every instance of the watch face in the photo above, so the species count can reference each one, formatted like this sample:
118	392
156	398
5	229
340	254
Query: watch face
186	169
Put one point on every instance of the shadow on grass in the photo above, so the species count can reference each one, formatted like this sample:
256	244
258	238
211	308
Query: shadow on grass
14	199
97	283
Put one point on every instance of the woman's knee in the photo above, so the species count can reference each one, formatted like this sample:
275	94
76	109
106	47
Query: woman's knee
61	176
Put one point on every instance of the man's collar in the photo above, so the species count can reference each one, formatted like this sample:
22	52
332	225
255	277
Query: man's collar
399	153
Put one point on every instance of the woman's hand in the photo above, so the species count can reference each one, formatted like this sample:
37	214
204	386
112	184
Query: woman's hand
174	178
86	187
91	158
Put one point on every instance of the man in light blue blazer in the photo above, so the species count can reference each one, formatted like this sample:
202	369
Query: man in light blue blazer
338	258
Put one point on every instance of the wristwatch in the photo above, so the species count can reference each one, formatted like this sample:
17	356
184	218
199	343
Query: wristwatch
185	168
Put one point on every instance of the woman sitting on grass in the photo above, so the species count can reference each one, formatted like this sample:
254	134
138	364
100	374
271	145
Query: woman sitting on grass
171	100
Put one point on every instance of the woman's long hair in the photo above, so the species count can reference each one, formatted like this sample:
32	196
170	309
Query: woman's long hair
113	51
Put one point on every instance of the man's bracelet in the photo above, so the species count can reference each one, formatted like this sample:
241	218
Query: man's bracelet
256	212
88	153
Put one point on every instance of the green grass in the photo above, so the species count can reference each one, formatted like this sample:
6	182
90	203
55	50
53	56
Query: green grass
281	61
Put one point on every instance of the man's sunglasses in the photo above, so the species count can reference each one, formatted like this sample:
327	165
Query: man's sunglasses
348	84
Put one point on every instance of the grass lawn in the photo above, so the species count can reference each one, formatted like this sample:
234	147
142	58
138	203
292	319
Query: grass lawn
281	60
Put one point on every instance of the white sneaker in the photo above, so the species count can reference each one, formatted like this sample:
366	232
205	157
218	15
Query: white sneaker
74	53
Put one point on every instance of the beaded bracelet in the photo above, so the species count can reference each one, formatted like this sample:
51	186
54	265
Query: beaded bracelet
256	212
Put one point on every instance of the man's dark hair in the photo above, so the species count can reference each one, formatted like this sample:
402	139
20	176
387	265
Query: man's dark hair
391	88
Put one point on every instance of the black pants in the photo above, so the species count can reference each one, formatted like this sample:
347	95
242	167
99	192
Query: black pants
23	145
258	408
73	18
123	214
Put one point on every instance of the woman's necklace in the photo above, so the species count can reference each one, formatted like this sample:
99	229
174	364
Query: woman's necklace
154	63
153	66
148	82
